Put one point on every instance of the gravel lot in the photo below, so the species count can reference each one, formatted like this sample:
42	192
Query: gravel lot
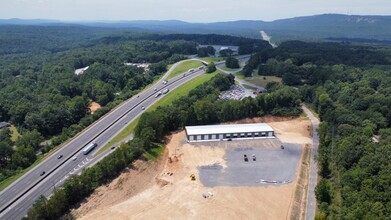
273	165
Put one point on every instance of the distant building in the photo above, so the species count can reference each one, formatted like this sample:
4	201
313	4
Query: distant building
228	132
4	124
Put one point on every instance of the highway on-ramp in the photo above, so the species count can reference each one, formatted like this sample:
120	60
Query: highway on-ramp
17	198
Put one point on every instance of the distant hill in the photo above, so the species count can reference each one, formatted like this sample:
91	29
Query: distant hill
326	26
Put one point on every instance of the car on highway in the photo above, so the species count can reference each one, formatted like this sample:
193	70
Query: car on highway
59	157
158	94
112	148
42	173
154	89
165	91
142	107
74	158
165	82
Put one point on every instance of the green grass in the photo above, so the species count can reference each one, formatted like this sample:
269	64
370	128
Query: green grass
212	59
155	152
182	90
8	181
259	80
184	67
167	99
14	133
228	69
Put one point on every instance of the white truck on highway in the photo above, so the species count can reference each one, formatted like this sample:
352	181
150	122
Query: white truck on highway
89	148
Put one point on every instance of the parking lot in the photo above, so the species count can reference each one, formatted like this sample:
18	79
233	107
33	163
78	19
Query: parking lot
272	165
236	93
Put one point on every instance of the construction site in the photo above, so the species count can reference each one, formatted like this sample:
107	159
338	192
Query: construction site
252	179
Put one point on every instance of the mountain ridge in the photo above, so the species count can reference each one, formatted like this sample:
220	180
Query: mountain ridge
321	26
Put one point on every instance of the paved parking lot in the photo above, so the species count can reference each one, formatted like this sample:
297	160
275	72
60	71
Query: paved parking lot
273	165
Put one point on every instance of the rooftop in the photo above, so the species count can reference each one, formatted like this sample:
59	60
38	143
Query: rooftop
224	129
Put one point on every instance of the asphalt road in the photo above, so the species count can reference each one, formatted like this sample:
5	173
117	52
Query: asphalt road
311	200
17	198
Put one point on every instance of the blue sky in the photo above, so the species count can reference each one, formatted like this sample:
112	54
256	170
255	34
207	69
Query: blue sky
192	11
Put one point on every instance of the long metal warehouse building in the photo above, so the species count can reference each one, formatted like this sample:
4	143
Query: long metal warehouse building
231	131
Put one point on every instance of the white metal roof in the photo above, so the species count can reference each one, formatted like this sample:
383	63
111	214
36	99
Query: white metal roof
227	129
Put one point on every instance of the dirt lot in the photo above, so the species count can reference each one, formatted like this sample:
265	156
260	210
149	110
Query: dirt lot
163	190
94	106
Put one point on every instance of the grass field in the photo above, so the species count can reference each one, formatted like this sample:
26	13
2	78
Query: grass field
167	99
259	80
184	67
212	59
228	69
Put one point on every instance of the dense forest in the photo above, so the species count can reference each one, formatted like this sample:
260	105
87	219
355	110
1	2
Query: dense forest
43	97
349	87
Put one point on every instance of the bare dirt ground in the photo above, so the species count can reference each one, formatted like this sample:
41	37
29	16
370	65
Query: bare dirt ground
163	190
94	106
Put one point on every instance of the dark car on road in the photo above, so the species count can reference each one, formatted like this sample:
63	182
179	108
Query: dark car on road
43	173
59	157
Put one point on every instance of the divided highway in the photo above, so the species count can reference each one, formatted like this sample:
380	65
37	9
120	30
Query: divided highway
17	198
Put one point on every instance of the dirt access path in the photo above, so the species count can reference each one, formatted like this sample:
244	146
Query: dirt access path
163	190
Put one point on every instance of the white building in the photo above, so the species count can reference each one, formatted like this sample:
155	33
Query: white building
231	131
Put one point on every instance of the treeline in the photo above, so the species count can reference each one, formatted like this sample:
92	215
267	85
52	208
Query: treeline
246	45
12	160
299	62
18	39
355	150
201	106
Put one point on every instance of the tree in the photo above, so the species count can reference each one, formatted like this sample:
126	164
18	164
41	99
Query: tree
211	67
23	157
322	191
226	53
232	63
31	138
148	135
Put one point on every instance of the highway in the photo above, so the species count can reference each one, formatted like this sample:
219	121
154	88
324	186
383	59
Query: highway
17	198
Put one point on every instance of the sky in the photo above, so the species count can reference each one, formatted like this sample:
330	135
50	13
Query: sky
185	10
